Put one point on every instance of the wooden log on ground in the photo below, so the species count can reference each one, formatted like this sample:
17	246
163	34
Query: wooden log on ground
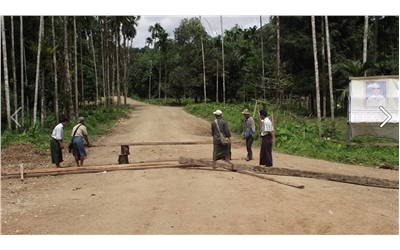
158	143
271	179
242	169
86	170
155	143
357	180
100	168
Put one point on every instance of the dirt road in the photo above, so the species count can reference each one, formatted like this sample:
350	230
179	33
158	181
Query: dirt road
192	201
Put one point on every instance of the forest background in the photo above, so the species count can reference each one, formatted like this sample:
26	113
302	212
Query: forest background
297	67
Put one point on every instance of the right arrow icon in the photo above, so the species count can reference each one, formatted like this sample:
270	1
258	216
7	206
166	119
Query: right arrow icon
389	116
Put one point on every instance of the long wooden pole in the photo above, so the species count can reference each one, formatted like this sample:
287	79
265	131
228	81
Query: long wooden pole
350	179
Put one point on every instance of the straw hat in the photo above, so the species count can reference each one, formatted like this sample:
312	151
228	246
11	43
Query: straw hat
246	112
217	112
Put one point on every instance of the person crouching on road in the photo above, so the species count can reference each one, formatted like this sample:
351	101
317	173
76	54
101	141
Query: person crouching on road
79	151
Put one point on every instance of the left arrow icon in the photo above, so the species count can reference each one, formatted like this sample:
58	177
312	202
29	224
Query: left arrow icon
388	118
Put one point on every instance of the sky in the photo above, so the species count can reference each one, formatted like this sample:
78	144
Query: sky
211	23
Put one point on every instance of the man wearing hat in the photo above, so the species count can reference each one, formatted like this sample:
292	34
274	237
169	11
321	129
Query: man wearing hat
219	125
78	150
249	129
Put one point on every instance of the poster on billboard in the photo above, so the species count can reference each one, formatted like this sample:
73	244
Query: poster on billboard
370	97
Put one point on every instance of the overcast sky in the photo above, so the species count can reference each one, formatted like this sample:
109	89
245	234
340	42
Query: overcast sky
212	24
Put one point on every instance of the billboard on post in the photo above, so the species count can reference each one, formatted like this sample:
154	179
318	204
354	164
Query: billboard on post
374	106
368	95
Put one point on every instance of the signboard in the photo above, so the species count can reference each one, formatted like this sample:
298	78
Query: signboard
374	107
369	95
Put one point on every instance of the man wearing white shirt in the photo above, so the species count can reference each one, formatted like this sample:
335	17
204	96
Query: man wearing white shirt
267	139
376	99
56	143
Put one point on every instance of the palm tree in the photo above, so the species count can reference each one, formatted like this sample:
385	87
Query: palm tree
262	57
76	69
67	75
323	66
38	69
129	25
102	60
116	21
14	70
162	44
95	68
149	42
55	72
107	61
155	31
278	52
365	42
6	84
204	66
351	69
332	101
223	60
316	74
22	72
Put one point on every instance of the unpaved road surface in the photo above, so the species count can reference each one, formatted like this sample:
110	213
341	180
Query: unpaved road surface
174	201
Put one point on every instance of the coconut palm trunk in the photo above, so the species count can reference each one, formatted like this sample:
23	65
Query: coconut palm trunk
15	96
102	66
95	69
117	67
5	68
150	73
324	92
76	69
22	72
67	75
278	52
314	37
204	68
55	72
42	100
216	92
365	42
262	57
328	53
223	61
35	101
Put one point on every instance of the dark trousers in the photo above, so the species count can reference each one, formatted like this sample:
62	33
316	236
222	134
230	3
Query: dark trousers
266	151
249	142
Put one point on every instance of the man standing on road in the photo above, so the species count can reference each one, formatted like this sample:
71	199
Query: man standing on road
248	133
78	150
56	143
267	139
219	125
